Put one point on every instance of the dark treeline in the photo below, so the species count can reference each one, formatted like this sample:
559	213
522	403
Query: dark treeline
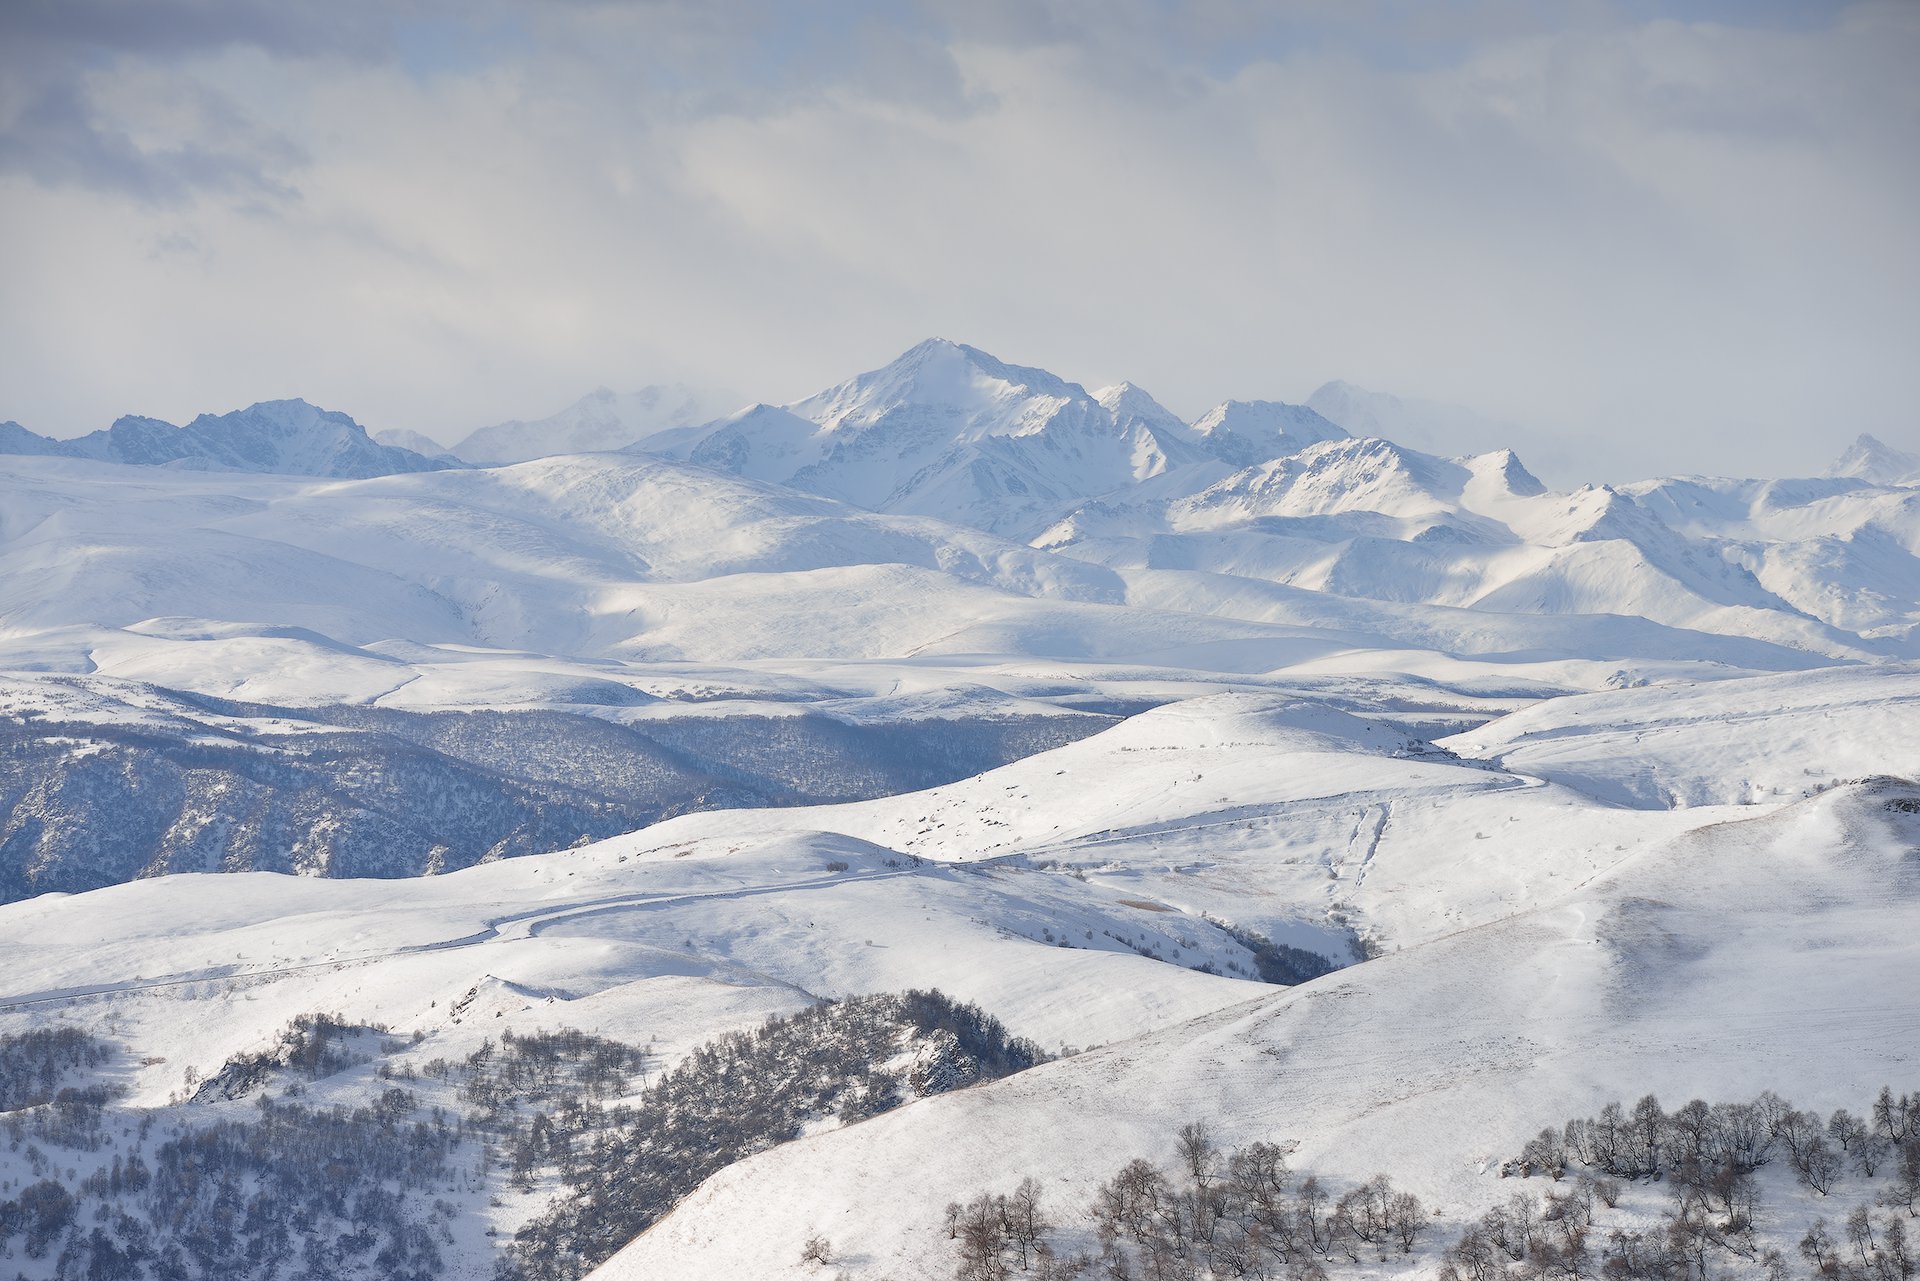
567	1069
214	1187
375	791
34	1066
317	1193
1707	1156
1212	1214
742	1094
1278	962
1243	1214
322	1193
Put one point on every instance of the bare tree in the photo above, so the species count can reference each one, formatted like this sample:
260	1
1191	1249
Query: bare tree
1818	1249
1897	1251
1818	1164
1648	1128
1905	1188
1891	1116
1025	1222
1860	1233
1201	1161
1545	1153
983	1241
1408	1218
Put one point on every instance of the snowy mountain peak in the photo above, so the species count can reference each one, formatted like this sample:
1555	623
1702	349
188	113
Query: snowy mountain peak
280	419
600	421
1504	467
950	431
15	439
291	437
945	379
1878	463
1130	402
1245	432
760	442
425	446
1429	426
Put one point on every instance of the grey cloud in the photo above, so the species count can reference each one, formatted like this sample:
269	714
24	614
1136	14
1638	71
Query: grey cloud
78	29
56	141
54	129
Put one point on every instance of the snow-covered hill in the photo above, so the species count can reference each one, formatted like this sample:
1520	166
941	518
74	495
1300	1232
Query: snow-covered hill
1663	975
1535	951
638	557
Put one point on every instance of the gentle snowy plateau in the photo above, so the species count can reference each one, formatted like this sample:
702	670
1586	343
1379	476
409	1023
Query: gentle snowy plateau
1263	771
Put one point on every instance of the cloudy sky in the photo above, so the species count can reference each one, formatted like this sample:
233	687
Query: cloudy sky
1657	237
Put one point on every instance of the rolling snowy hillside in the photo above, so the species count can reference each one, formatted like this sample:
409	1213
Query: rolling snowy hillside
1434	1065
1536	951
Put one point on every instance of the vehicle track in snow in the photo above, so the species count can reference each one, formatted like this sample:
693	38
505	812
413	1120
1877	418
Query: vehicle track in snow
515	927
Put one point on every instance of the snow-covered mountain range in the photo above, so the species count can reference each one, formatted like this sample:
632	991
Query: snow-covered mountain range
1312	771
982	473
283	437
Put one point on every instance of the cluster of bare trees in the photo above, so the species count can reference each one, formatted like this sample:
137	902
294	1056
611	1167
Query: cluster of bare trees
1277	962
1698	1142
996	1231
1213	1214
347	1193
1874	1250
625	1167
1533	1236
565	1069
310	1046
35	1065
335	1194
1708	1158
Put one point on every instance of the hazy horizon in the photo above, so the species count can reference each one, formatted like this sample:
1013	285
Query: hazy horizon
1655	241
